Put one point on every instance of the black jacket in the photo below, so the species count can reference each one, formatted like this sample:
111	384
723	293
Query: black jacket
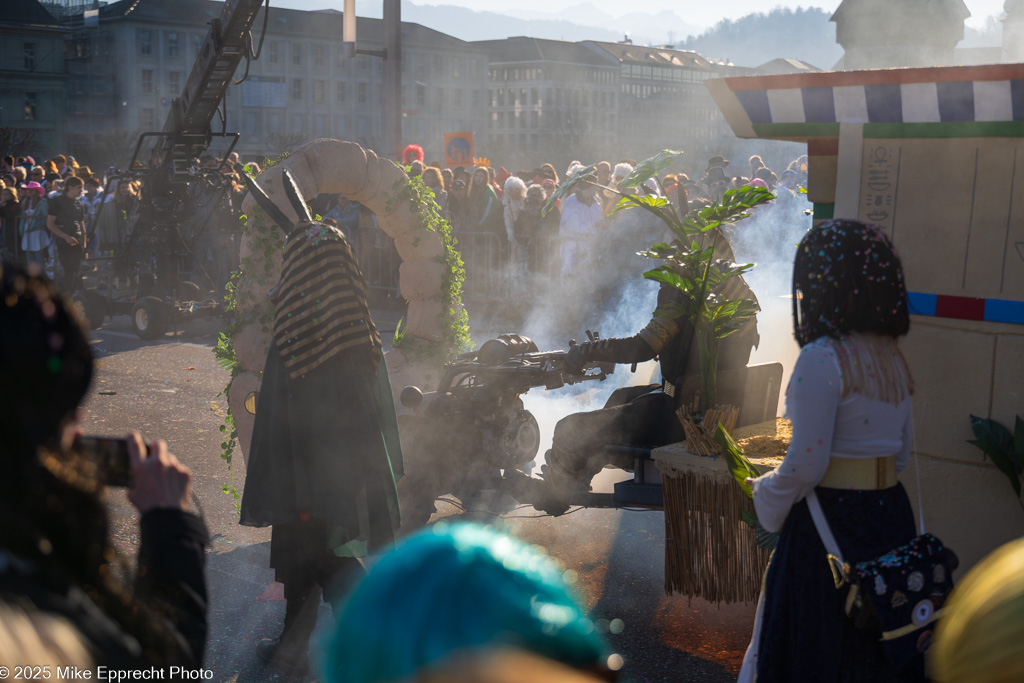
170	582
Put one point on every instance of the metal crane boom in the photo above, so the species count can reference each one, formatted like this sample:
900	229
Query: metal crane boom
187	129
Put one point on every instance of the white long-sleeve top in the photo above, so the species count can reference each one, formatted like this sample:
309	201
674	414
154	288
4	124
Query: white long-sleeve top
830	422
578	221
511	213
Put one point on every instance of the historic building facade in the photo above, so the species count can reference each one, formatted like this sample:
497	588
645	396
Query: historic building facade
128	66
32	78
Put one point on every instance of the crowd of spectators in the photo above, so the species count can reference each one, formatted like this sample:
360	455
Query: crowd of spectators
506	239
514	250
57	213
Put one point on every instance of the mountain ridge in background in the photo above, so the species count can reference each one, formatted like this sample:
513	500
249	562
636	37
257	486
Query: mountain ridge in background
805	34
580	22
752	40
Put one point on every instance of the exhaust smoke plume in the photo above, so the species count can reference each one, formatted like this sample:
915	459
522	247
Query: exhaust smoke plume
611	296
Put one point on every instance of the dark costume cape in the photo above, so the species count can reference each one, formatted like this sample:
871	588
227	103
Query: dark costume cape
325	443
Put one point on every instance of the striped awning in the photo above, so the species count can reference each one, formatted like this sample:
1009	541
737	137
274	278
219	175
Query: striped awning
947	101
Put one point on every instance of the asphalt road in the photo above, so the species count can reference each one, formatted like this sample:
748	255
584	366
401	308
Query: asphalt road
171	389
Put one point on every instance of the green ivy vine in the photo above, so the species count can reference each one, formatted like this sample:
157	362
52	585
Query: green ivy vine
454	317
266	241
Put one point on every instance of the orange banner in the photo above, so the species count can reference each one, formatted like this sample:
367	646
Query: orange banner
458	149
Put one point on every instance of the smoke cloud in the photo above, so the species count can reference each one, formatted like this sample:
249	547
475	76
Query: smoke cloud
609	295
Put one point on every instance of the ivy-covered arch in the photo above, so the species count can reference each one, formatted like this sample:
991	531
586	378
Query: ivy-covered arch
430	276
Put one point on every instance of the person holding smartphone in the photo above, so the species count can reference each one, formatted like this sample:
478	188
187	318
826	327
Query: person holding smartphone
55	556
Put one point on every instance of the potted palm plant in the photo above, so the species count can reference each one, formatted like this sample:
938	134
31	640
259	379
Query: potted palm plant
696	261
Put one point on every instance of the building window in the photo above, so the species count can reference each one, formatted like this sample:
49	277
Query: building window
438	64
147	80
362	63
319	56
275	53
440	98
339	127
318	91
501	97
298	123
251	122
197	43
145	42
361	93
457	97
174	82
474	68
296	88
274	123
421	95
82	48
475	99
319	125
172	44
30	56
457	67
148	119
31	106
339	93
363	126
296	54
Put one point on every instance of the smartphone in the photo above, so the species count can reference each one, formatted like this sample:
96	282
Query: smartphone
110	456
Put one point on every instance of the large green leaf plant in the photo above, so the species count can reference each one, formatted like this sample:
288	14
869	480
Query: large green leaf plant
691	262
1006	450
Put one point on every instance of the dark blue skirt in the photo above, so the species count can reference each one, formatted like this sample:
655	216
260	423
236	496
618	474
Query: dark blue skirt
805	634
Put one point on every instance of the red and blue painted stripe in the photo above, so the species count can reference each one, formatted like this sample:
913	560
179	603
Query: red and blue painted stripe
967	308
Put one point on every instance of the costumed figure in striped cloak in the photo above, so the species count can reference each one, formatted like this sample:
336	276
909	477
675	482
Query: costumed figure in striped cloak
639	416
325	452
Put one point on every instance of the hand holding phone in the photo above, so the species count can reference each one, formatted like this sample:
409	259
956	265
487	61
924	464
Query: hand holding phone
158	479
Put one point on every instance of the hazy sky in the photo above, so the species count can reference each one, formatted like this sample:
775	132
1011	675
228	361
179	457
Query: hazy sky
696	11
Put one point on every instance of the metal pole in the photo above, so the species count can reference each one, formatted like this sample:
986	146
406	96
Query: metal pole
392	100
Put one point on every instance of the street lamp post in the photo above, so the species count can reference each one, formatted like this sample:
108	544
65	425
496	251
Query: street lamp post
392	55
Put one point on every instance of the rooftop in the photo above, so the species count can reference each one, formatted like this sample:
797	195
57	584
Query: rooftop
25	12
321	24
524	49
653	56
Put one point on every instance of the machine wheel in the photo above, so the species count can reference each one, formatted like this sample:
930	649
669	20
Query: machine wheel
149	318
189	291
521	439
91	307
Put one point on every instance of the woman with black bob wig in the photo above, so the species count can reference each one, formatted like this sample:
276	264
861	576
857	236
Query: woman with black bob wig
849	402
55	554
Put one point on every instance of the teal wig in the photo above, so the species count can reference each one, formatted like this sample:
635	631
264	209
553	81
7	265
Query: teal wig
453	589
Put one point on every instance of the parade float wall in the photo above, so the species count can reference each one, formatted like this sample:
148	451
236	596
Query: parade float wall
334	166
936	158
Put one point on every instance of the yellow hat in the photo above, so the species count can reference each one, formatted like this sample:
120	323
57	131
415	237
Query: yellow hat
980	637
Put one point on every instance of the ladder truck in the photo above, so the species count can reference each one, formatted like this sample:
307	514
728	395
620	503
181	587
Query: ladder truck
142	278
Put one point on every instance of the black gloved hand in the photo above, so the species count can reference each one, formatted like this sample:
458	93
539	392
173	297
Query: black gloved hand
575	357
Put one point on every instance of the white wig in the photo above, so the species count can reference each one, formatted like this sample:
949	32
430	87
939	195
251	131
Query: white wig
621	171
514	183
